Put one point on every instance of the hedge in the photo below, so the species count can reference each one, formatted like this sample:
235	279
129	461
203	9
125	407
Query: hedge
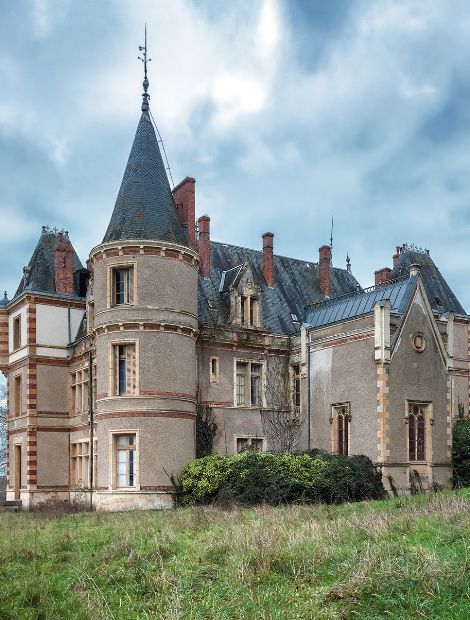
253	478
461	452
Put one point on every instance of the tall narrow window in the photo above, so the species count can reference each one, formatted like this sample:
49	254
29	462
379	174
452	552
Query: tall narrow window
416	432
17	332
341	421
253	301
125	372
122	286
255	385
18	395
214	369
80	464
241	383
296	386
243	309
125	460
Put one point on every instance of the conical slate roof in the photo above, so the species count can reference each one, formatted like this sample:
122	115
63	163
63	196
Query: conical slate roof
39	275
145	208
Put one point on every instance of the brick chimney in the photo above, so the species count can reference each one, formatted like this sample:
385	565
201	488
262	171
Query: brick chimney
268	259
396	255
185	200
325	268
64	264
204	226
383	276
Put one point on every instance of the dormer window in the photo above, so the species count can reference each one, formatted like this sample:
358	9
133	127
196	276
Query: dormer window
249	311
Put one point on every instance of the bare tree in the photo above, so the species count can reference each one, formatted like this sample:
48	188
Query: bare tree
281	420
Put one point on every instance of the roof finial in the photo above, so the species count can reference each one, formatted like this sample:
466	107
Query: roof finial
145	60
348	263
331	234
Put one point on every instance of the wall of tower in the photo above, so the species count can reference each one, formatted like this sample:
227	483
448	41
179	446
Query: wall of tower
160	326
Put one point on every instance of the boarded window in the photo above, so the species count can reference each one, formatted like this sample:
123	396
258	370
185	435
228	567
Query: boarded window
17	332
18	394
250	444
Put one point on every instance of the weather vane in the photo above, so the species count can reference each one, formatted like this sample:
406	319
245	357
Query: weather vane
145	60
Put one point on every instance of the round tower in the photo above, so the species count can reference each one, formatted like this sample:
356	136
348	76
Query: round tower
145	326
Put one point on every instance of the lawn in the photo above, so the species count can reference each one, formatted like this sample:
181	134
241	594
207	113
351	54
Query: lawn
399	558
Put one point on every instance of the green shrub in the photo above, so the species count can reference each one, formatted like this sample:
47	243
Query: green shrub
253	478
461	452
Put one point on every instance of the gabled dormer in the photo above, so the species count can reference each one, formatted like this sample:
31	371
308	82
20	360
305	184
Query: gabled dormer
245	295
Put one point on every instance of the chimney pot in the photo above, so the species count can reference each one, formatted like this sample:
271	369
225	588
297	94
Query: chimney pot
325	269
268	259
204	224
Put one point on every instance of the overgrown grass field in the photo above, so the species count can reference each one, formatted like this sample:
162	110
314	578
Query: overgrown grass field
399	558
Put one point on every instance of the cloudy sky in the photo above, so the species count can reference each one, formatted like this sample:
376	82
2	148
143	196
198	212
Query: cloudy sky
285	111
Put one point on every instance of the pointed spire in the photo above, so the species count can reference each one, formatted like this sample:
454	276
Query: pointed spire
145	208
145	60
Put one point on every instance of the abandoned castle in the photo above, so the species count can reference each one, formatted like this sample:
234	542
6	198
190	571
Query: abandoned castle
107	364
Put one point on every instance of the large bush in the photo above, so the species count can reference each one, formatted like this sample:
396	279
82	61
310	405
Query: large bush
264	477
461	453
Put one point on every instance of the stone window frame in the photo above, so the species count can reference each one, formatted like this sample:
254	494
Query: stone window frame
294	377
113	377
79	377
131	265
77	460
214	369
252	437
18	410
17	340
428	412
113	434
335	427
248	375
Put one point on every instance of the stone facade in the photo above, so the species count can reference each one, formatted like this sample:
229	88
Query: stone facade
106	365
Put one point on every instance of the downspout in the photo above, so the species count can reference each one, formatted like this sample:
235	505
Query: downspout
69	319
91	421
309	431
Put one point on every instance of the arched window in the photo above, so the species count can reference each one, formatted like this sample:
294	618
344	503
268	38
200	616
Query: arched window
416	432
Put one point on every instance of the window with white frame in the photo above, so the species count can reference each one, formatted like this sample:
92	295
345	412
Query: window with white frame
124	369
122	285
417	431
214	369
125	449
340	419
249	444
248	383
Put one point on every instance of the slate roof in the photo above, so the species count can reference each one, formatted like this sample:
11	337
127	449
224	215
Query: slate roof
144	207
358	304
40	273
441	297
296	285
